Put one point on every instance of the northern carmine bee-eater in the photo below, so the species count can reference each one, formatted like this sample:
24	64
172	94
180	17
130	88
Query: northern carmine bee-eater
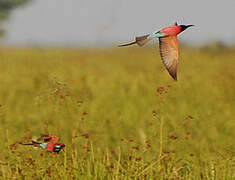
49	142
168	45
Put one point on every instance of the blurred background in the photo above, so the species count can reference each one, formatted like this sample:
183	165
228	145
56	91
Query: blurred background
118	111
110	22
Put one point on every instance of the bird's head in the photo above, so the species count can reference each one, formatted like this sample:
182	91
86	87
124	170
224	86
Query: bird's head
58	147
183	27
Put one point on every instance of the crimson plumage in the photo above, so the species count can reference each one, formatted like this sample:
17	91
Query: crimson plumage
49	142
168	45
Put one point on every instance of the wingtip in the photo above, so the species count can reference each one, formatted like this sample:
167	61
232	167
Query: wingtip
173	75
173	70
175	78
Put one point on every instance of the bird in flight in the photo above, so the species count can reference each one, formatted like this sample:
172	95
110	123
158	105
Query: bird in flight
168	45
49	143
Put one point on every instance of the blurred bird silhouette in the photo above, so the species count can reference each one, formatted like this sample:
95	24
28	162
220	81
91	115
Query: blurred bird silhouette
49	142
168	45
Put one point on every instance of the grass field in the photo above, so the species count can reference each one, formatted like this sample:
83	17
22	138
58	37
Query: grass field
119	113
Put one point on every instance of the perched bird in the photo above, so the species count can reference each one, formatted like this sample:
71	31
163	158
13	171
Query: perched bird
50	143
168	45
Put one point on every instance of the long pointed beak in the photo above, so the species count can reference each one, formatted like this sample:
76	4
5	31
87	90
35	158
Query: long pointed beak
190	25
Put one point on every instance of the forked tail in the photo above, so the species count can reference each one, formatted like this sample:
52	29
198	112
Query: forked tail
128	44
141	40
34	143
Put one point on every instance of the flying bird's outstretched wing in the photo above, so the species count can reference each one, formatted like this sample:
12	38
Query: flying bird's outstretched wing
49	138
169	51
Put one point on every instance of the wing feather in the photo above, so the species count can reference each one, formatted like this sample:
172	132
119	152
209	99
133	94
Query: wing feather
169	51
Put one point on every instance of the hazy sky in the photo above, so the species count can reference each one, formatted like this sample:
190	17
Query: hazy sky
91	22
